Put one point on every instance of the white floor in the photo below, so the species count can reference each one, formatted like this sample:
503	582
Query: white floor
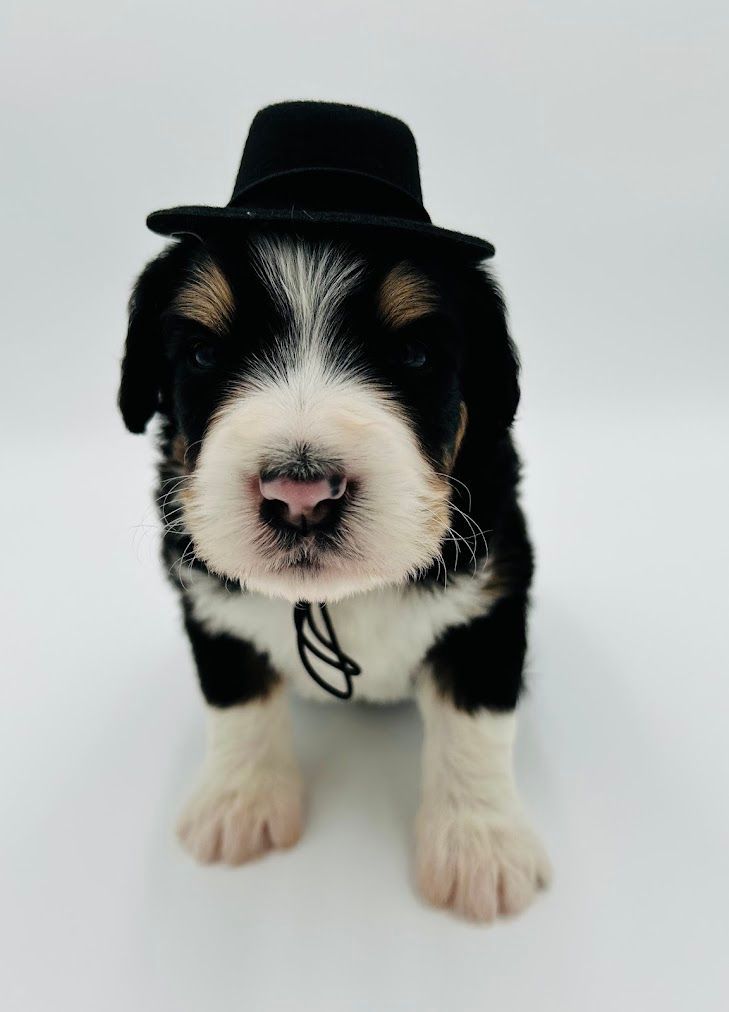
622	757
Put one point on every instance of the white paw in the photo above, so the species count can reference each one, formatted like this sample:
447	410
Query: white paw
236	821
477	864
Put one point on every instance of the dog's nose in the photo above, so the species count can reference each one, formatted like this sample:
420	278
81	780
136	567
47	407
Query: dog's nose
303	504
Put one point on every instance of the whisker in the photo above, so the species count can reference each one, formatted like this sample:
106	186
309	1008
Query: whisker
450	478
197	442
454	537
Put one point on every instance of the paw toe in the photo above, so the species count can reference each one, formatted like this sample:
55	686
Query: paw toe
237	825
479	869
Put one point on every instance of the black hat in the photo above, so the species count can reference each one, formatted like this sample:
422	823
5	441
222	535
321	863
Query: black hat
321	163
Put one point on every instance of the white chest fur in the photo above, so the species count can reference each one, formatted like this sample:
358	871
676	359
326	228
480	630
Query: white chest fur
387	632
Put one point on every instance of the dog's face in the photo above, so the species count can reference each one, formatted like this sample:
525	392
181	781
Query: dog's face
316	395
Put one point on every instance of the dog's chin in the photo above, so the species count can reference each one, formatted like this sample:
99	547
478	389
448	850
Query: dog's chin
317	583
321	575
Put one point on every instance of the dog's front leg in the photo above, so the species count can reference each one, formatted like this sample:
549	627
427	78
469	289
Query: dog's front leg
249	795
475	850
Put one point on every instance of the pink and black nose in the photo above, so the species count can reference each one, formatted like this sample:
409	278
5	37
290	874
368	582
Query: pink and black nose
301	504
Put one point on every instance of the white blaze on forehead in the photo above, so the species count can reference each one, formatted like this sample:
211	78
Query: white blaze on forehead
308	282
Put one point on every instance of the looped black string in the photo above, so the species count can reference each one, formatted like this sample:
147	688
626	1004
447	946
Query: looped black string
340	661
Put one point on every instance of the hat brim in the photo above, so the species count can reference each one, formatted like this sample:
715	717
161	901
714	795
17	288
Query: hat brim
197	220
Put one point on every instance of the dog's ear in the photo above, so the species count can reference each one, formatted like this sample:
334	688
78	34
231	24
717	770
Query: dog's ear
491	364
142	370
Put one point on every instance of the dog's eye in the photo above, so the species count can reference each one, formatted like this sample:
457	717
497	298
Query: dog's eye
204	355
413	355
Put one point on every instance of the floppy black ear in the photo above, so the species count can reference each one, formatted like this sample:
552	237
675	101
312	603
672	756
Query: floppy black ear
143	365
491	374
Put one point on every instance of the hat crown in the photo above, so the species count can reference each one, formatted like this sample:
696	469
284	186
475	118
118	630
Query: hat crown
323	167
344	155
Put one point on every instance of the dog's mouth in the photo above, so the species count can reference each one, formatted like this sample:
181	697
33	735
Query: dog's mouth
316	527
303	564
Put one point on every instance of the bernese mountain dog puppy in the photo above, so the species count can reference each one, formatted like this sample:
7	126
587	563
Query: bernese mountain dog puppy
335	422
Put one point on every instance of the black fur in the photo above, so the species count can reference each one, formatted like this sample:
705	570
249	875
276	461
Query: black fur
229	669
481	664
496	641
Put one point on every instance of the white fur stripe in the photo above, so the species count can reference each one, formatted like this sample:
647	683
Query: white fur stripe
308	282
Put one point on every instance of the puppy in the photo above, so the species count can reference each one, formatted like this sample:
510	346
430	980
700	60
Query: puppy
335	427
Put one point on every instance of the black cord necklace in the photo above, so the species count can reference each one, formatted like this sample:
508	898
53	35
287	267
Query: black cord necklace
339	661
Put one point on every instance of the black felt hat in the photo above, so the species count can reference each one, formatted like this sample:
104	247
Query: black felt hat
321	163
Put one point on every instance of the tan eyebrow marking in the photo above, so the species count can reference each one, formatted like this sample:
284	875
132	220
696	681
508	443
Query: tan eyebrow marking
206	297
405	295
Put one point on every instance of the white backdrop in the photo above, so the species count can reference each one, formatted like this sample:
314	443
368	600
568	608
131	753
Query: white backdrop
588	141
